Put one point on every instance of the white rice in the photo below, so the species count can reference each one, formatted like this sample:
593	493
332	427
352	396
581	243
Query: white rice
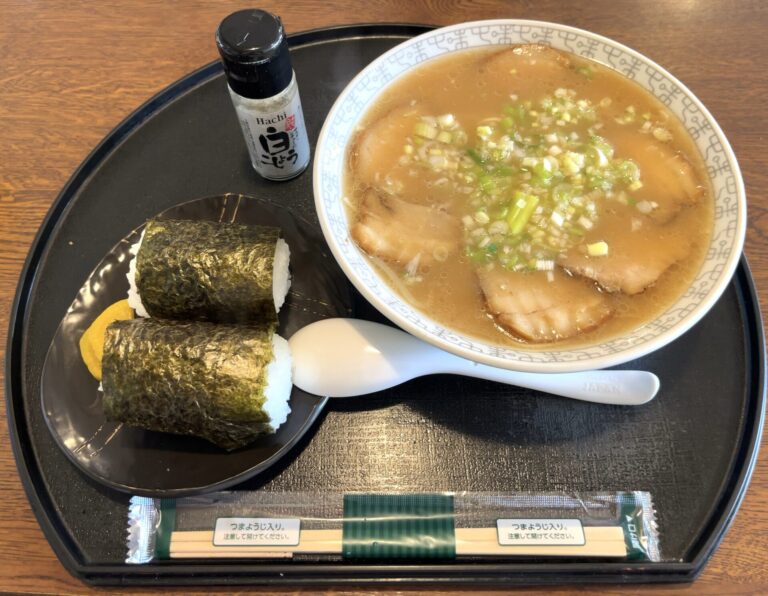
134	299
281	277
279	382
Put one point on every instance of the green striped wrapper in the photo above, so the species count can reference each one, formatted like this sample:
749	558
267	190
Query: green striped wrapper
398	527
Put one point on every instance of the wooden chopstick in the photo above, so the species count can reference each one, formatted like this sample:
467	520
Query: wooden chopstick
602	541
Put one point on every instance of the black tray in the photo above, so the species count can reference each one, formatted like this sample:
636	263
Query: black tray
693	447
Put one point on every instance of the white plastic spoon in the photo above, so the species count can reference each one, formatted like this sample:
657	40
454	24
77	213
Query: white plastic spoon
348	357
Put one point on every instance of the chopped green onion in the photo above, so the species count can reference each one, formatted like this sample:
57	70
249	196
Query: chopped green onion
484	131
517	111
486	184
645	207
562	193
459	137
628	117
481	217
600	152
627	171
533	190
662	134
477	255
520	220
446	120
545	265
437	162
425	130
597	249
475	156
543	169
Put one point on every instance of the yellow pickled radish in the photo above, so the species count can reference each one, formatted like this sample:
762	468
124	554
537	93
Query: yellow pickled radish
92	341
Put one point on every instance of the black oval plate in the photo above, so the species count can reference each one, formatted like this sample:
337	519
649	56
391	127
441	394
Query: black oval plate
159	464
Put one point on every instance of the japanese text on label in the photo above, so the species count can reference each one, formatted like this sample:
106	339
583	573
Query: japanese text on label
256	531
540	532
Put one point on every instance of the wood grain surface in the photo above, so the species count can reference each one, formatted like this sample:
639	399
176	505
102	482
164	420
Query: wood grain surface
70	71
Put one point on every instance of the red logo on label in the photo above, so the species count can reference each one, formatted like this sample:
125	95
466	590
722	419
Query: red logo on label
290	123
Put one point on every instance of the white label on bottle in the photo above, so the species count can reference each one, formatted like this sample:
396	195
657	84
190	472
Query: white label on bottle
540	532
277	141
256	531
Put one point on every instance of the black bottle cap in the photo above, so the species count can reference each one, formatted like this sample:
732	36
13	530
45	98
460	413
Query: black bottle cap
255	54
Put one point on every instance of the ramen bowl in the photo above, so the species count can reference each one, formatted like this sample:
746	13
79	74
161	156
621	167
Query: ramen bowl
729	220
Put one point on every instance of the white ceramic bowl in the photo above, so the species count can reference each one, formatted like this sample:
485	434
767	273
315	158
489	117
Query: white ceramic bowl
728	191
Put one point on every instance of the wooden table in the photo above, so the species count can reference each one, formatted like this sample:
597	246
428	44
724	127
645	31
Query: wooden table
70	71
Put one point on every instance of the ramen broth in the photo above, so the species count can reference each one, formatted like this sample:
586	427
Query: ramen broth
538	166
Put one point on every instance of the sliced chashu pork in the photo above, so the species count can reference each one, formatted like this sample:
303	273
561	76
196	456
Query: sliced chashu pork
375	157
410	235
534	308
668	178
525	62
636	258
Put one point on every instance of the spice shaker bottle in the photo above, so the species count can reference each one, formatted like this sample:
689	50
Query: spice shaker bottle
263	89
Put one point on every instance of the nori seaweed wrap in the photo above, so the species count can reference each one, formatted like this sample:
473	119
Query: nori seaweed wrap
207	271
191	378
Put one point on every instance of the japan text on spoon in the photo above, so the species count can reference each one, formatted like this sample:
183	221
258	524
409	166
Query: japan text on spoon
348	357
